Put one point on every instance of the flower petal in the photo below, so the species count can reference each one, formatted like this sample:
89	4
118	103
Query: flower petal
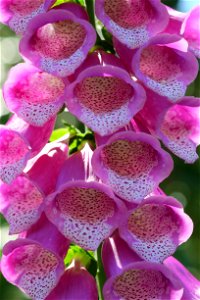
156	227
31	267
85	212
17	14
57	42
104	96
132	22
143	280
133	164
21	203
33	95
76	283
14	153
165	66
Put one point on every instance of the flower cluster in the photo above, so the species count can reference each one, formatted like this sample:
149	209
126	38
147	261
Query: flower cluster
131	96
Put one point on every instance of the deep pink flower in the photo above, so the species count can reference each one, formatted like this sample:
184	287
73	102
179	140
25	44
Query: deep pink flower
76	283
104	96
19	141
35	96
17	14
21	203
85	212
133	164
190	284
31	267
190	30
178	126
45	233
132	22
57	42
143	280
78	10
165	66
175	21
156	227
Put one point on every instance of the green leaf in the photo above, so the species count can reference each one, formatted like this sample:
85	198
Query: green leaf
58	133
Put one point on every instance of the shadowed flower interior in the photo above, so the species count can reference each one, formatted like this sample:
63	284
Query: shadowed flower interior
157	228
20	203
83	215
103	94
24	8
129	14
58	40
141	285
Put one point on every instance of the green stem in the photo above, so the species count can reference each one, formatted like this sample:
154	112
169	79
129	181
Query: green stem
100	277
90	11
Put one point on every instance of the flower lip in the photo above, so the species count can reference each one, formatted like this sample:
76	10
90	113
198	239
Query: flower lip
15	152
86	215
155	62
18	15
56	66
34	269
156	227
130	184
143	25
99	115
33	95
22	203
161	283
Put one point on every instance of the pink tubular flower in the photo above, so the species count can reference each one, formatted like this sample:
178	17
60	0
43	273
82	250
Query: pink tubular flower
189	282
85	212
133	164
143	280
35	96
165	66
15	151
17	14
175	21
45	233
104	96
132	22
57	42
76	283
190	30
31	267
178	126
156	227
19	141
21	203
37	137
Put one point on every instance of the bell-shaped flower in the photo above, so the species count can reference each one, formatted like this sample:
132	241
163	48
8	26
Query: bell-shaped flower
104	96
156	228
132	164
132	22
57	42
15	152
85	212
35	96
45	233
143	280
78	10
178	126
22	201
190	30
19	141
32	268
17	14
165	66
76	283
190	284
